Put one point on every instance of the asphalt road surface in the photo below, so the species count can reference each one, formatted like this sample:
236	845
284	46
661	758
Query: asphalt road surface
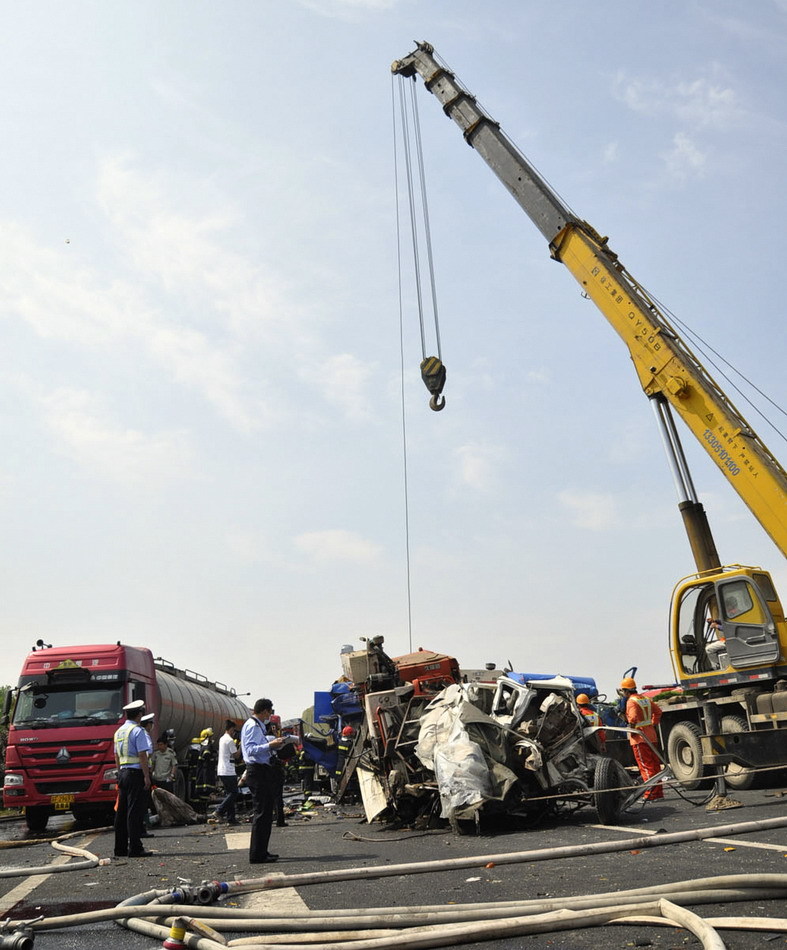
331	839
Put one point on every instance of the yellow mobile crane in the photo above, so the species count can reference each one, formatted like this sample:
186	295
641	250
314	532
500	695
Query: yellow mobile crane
728	636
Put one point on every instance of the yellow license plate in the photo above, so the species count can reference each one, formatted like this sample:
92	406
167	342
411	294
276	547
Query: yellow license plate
62	802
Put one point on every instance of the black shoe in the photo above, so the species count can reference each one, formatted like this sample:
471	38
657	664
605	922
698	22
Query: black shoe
268	859
281	824
233	821
121	854
147	834
140	854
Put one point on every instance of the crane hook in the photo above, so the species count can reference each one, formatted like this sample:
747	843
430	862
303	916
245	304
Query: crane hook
433	374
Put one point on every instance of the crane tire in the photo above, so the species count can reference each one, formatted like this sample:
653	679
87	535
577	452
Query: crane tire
684	754
736	776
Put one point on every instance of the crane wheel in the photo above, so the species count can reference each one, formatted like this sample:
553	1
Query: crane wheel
684	753
737	776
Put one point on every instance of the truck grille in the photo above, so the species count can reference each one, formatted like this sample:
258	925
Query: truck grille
85	756
61	788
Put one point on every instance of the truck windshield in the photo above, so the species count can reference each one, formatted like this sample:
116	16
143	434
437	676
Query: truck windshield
40	706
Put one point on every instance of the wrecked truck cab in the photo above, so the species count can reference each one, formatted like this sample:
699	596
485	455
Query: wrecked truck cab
550	757
549	743
535	705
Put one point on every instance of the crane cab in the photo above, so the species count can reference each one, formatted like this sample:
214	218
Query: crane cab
727	628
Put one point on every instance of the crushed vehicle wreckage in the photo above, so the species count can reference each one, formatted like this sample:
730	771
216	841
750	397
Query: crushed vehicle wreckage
427	746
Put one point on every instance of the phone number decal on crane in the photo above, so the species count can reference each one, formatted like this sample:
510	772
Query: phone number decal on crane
721	452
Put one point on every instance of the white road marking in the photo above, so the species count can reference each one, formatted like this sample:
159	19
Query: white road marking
237	840
284	900
737	842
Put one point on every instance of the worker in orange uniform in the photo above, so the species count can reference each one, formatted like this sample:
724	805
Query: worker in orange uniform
644	715
591	720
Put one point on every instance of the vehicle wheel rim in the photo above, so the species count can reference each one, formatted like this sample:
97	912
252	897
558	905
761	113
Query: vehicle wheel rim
686	756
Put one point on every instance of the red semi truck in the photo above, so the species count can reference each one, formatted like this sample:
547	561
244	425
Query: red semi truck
64	712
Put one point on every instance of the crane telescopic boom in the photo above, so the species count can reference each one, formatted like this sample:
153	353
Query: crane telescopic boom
668	370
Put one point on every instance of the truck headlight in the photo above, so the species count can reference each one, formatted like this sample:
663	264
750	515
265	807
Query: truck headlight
12	779
110	775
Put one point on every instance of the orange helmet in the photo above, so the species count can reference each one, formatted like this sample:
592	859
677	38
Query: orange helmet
583	699
627	683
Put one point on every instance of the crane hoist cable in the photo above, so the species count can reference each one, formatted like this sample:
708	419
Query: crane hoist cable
433	371
402	374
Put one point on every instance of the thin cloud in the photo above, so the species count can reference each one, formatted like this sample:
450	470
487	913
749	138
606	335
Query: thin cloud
188	251
478	465
194	361
343	381
60	296
346	9
85	432
542	376
337	545
698	102
684	160
591	510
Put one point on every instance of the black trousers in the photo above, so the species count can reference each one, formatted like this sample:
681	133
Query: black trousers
130	817
262	783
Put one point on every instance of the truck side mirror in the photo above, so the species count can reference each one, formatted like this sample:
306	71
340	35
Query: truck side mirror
9	695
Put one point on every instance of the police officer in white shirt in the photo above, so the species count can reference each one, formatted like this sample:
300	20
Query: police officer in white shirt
131	760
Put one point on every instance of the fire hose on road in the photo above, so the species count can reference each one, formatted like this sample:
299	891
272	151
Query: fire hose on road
160	913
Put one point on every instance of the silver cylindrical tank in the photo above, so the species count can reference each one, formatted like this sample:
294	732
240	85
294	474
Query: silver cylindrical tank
187	708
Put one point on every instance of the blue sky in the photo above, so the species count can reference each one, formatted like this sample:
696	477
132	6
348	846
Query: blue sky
201	384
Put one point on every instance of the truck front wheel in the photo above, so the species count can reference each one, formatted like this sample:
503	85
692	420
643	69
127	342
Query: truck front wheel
684	753
736	776
36	817
609	780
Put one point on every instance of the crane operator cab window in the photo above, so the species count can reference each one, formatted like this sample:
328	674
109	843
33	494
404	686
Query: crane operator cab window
726	624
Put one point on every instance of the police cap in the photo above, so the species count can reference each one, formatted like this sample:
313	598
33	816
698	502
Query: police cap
133	707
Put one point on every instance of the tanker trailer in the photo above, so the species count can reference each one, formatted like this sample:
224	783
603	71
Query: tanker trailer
66	707
188	704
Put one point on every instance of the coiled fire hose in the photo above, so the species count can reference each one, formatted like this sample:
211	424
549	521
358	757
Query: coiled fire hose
433	926
440	925
90	860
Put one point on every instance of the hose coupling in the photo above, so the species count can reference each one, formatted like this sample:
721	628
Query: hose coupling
182	895
20	940
176	934
211	891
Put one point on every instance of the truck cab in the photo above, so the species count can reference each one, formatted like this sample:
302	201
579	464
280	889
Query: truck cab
727	629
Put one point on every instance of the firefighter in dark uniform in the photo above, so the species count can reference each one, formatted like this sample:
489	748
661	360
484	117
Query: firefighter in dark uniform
202	759
343	749
305	771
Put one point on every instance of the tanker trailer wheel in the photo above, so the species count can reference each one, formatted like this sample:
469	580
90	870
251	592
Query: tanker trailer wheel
607	789
180	785
684	754
737	776
36	817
